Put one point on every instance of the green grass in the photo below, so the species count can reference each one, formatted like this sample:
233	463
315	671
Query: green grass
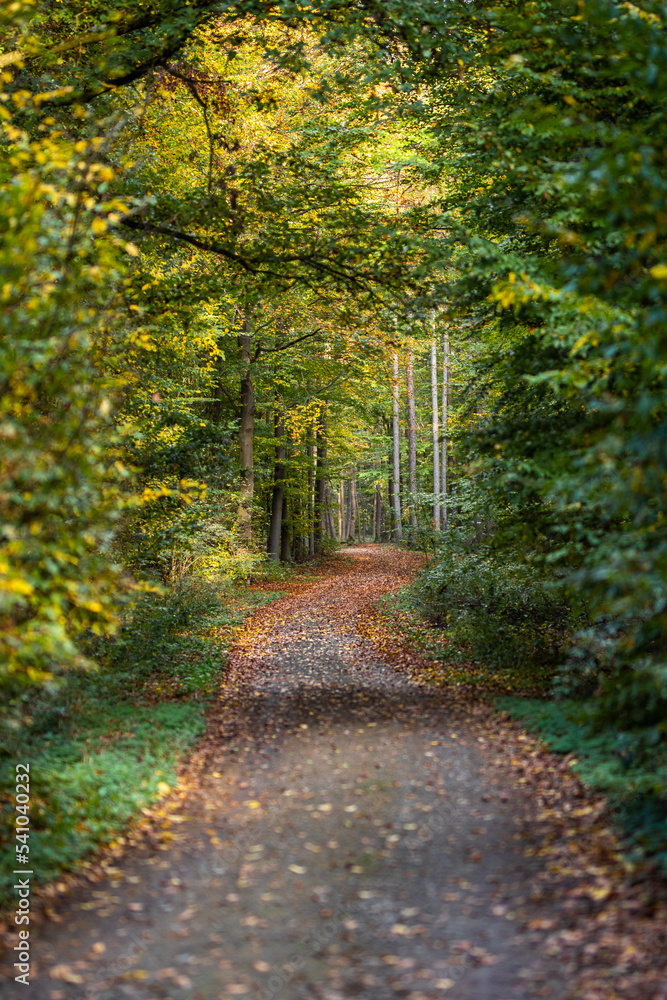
628	768
101	746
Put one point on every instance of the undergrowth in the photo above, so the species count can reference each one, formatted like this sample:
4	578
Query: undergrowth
107	743
452	662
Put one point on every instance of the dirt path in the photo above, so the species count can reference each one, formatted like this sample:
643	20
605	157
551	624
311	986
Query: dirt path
347	836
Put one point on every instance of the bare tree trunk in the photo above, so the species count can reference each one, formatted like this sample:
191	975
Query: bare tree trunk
378	514
341	511
278	482
331	527
357	513
445	424
320	481
352	508
412	443
285	534
246	435
389	518
436	443
398	527
311	501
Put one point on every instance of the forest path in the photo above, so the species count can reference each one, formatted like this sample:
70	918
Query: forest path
346	834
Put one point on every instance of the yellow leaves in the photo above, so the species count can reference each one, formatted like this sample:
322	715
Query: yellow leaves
659	272
99	226
17	585
93	606
599	892
163	788
297	869
583	341
136	975
66	974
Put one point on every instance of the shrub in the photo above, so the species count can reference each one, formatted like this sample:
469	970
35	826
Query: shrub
504	613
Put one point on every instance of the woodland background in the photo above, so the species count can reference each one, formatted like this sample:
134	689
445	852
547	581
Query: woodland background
275	277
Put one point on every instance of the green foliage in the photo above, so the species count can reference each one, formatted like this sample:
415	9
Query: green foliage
172	639
62	487
508	615
554	195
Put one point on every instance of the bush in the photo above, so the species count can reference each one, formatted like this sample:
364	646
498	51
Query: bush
504	613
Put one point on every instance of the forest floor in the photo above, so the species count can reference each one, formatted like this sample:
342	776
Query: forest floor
346	829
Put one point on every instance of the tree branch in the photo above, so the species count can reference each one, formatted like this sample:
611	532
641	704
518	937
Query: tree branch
283	347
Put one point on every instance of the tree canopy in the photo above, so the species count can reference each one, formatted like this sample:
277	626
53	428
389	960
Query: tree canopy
258	263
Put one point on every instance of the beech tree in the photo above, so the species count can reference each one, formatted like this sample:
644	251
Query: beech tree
212	217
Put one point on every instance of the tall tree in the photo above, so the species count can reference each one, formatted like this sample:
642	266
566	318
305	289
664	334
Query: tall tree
320	480
445	424
396	451
412	442
435	435
278	482
246	433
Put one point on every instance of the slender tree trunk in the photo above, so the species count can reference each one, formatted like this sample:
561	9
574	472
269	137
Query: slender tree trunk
412	443
357	511
331	528
436	443
445	424
320	481
278	482
311	501
398	527
390	514
246	435
378	514
352	508
341	511
285	534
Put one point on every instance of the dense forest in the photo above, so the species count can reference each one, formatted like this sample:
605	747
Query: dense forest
276	277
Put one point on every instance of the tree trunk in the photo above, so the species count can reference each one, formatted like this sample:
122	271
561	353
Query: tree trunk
278	482
436	443
357	517
445	425
285	534
398	527
320	481
311	502
246	435
352	508
341	511
329	518
412	444
390	518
